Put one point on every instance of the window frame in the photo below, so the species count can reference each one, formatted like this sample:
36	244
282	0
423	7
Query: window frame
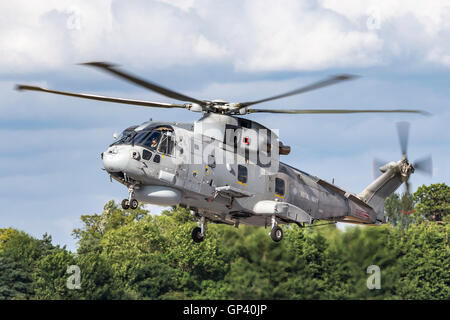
170	143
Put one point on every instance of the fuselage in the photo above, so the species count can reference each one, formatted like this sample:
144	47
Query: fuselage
227	179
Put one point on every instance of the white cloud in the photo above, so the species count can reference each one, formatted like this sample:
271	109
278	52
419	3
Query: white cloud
182	4
205	48
409	28
293	35
41	35
251	35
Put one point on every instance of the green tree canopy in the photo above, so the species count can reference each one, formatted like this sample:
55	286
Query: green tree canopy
132	254
433	202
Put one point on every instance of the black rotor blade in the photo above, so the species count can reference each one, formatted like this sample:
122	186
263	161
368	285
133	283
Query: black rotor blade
424	165
143	83
407	186
103	98
316	111
314	86
403	134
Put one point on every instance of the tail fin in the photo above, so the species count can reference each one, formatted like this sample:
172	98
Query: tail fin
394	174
376	193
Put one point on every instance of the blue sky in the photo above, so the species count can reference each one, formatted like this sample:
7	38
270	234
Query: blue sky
232	50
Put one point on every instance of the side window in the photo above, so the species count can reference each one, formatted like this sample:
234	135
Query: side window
146	155
166	145
242	174
279	186
171	144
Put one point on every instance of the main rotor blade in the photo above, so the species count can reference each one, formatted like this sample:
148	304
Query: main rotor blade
403	133
314	86
103	98
316	111
424	165
143	83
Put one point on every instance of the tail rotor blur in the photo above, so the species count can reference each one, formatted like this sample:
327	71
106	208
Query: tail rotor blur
423	165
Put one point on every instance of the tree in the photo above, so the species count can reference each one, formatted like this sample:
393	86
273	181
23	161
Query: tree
15	279
433	201
19	255
130	254
50	275
422	269
399	208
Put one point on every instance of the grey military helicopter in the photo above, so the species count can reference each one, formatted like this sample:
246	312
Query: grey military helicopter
227	169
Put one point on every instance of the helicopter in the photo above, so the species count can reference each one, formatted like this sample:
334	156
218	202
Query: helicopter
226	168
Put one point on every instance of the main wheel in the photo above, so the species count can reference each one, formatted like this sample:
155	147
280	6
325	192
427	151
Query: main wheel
197	235
276	234
134	204
125	204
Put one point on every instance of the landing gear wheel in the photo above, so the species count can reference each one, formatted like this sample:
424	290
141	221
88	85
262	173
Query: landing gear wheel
197	235
125	204
276	234
134	204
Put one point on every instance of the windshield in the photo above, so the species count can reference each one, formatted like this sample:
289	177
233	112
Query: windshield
125	137
147	139
140	135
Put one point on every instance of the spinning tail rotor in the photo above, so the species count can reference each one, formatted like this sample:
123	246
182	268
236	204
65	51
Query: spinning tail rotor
404	167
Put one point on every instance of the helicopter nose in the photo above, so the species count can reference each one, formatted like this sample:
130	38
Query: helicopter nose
115	160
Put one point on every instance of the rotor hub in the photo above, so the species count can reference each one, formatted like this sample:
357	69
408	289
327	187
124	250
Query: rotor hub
406	169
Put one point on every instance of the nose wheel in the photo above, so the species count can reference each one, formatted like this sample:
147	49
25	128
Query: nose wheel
125	204
130	203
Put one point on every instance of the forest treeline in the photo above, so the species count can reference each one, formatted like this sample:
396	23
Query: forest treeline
132	254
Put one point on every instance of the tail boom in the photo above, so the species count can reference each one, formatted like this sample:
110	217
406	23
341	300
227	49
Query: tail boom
376	193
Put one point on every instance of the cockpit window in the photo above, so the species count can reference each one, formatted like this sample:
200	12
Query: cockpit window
151	141
140	136
158	139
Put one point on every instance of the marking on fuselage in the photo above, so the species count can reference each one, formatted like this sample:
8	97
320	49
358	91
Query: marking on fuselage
304	195
362	213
